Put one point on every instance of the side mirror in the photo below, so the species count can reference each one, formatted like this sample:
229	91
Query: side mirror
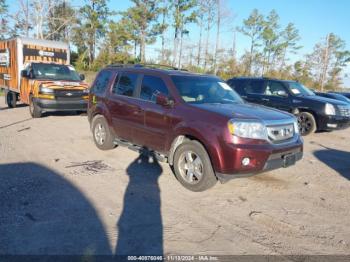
163	100
82	77
282	93
24	73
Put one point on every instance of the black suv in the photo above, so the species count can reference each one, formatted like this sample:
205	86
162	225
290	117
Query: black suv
313	112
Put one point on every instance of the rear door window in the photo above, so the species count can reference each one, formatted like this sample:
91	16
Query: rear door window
126	85
101	82
151	86
255	87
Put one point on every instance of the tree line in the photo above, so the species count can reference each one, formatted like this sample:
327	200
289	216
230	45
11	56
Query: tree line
102	36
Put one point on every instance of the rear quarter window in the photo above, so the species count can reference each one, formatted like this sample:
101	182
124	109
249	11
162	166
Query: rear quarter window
254	87
101	83
237	85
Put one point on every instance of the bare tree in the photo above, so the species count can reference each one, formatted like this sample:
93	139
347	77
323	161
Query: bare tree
41	11
209	7
21	18
224	15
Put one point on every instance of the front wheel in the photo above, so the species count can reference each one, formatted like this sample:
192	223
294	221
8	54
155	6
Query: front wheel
34	109
192	167
307	123
103	137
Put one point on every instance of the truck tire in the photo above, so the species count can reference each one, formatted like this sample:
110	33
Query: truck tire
11	99
307	123
193	168
103	137
34	109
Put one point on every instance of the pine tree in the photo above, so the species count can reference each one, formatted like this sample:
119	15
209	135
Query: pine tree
252	27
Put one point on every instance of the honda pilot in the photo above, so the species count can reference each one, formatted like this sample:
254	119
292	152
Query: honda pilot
196	123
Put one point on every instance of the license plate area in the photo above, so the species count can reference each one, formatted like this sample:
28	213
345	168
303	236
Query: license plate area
289	160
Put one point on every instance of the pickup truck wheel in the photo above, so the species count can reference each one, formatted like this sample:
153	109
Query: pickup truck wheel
103	137
307	123
34	109
192	167
11	99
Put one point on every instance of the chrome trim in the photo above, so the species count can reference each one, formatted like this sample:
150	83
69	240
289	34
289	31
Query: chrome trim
280	124
344	110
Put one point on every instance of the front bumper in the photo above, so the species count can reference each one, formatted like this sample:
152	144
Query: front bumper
48	105
333	122
262	158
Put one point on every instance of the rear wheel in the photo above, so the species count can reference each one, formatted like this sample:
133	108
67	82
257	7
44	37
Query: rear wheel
307	123
103	137
192	167
11	99
34	109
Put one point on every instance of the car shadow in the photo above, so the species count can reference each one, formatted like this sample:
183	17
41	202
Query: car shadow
140	228
335	159
43	213
17	106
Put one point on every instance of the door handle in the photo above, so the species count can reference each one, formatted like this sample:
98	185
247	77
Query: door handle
265	99
137	111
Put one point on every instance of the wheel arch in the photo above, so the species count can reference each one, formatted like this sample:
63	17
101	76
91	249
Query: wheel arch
314	114
181	138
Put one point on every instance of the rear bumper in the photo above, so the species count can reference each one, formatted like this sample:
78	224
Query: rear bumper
262	158
333	122
48	105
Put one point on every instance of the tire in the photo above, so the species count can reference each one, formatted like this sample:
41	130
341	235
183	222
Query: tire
192	167
11	99
307	123
34	109
103	137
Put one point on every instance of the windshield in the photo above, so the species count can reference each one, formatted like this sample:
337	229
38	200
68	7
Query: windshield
205	90
55	72
298	89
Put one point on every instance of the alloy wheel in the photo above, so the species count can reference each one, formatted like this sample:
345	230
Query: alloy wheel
100	134
191	167
304	123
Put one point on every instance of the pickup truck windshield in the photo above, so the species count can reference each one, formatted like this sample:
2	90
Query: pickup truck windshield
298	89
205	90
55	72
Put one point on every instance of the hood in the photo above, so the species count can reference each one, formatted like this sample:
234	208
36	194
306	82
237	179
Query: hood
63	84
246	111
321	99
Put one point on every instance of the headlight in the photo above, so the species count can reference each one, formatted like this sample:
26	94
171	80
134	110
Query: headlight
296	126
45	90
247	129
330	109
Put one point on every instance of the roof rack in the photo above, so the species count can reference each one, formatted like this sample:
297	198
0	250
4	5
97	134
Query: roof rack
146	65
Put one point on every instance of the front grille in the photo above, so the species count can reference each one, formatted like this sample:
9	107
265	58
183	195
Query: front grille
280	133
69	94
344	111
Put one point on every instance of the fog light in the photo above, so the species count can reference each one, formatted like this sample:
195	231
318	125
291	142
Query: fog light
332	125
245	161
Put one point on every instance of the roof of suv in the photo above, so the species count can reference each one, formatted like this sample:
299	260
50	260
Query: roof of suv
260	78
168	70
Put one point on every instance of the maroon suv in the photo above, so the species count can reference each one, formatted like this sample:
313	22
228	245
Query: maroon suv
196	123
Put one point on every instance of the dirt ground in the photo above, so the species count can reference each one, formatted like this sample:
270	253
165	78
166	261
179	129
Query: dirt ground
59	194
